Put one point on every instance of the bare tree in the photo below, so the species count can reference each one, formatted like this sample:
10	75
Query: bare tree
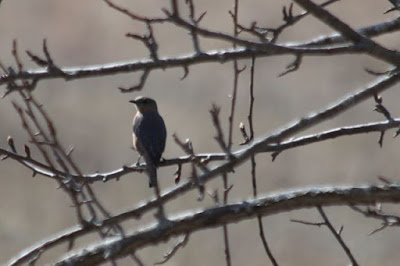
242	136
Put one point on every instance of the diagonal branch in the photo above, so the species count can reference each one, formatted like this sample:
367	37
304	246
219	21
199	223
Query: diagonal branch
337	236
370	46
368	32
217	216
45	170
261	145
77	231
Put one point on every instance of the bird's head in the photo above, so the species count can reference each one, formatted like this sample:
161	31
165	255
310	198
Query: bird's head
144	104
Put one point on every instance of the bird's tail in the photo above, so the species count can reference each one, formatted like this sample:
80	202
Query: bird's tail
152	172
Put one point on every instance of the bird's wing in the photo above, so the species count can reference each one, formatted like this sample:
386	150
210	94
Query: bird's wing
151	135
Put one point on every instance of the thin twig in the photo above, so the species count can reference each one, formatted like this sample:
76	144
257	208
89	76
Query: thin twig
337	236
181	244
253	166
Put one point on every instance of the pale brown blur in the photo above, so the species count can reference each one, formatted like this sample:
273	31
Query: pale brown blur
95	117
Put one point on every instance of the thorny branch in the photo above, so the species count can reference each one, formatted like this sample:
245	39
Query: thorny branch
169	195
41	130
42	169
321	46
388	220
337	236
59	165
181	244
336	233
372	48
214	217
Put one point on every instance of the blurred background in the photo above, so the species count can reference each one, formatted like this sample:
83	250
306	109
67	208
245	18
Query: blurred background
95	117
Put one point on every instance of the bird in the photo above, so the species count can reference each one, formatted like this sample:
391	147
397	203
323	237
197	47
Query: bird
149	135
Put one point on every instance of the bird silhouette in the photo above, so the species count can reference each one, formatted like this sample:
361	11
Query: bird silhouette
149	135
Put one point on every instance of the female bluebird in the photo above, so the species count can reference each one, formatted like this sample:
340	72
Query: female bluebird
149	134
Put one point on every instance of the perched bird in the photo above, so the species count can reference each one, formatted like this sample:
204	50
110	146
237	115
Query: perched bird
149	134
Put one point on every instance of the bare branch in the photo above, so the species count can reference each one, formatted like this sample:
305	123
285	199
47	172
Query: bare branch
58	163
195	38
148	40
217	216
292	66
319	224
368	32
337	236
288	18
220	135
210	56
47	171
139	86
388	220
181	244
177	61
134	16
188	148
371	47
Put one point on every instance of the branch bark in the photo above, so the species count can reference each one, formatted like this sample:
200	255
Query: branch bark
215	217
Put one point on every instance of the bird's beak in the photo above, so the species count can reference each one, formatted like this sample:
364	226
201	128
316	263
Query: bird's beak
132	101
